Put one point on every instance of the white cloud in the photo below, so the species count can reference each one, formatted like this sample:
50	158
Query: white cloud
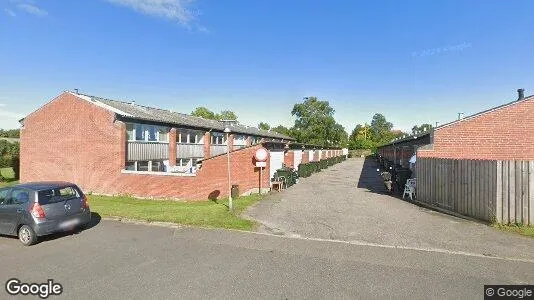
9	119
2	105
9	12
32	9
174	10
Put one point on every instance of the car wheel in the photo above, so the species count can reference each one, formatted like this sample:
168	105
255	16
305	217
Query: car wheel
27	236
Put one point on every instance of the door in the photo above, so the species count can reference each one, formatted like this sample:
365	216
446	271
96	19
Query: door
12	209
276	161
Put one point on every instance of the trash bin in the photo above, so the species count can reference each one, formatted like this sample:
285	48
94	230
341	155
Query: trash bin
235	191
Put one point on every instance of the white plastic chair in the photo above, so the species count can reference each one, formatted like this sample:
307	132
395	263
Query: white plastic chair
410	188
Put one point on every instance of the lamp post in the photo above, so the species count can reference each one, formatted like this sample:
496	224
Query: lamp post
227	131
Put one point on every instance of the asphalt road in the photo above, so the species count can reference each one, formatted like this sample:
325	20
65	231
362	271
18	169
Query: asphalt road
114	260
348	202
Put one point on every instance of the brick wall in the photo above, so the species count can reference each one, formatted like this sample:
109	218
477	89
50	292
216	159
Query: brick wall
289	158
305	157
70	139
502	134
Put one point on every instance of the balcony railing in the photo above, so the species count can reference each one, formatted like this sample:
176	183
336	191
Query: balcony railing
217	149
147	151
189	150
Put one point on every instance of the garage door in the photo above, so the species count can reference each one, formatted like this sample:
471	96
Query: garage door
297	158
276	161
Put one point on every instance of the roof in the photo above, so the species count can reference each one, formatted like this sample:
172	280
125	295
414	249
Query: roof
146	113
416	136
486	111
43	185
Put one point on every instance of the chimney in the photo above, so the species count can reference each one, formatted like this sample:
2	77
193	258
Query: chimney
132	103
76	91
520	94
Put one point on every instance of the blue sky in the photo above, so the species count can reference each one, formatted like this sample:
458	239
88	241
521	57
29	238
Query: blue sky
413	61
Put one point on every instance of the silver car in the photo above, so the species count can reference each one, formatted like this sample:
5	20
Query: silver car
31	210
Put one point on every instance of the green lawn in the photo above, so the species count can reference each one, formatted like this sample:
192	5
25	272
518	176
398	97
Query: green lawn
521	229
8	177
201	213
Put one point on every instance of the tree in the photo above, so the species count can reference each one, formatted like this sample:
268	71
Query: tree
315	123
422	128
9	156
10	133
205	113
283	130
264	126
360	138
226	115
380	129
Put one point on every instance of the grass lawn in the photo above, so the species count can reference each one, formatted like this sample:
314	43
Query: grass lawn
521	229
8	175
201	213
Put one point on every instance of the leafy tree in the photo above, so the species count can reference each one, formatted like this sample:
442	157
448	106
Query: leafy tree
264	126
226	115
380	129
283	130
360	138
9	156
204	113
10	133
315	123
421	128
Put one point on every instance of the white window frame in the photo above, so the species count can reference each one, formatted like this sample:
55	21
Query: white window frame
145	129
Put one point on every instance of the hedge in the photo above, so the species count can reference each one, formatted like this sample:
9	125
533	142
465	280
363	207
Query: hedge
305	170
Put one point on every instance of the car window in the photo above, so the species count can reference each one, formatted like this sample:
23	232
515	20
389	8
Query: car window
19	196
4	196
57	195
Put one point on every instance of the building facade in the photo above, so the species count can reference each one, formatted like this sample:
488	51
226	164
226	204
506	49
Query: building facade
113	147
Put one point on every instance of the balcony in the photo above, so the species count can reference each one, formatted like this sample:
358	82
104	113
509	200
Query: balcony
147	151
217	149
189	150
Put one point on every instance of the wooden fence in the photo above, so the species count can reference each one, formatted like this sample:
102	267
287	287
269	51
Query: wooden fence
489	190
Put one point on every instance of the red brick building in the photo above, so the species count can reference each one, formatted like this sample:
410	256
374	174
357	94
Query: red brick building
113	147
499	133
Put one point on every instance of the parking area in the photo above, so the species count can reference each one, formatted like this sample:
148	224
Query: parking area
115	260
348	202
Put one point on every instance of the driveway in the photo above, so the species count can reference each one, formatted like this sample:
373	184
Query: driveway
347	202
114	260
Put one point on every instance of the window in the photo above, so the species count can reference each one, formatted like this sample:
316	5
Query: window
158	166
130	131
142	166
218	138
57	195
19	196
147	133
130	165
4	195
191	136
184	162
163	134
139	132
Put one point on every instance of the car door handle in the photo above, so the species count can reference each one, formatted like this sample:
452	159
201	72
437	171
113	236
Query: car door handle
20	210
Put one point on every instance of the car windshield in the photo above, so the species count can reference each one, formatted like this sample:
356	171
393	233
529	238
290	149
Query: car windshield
57	195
